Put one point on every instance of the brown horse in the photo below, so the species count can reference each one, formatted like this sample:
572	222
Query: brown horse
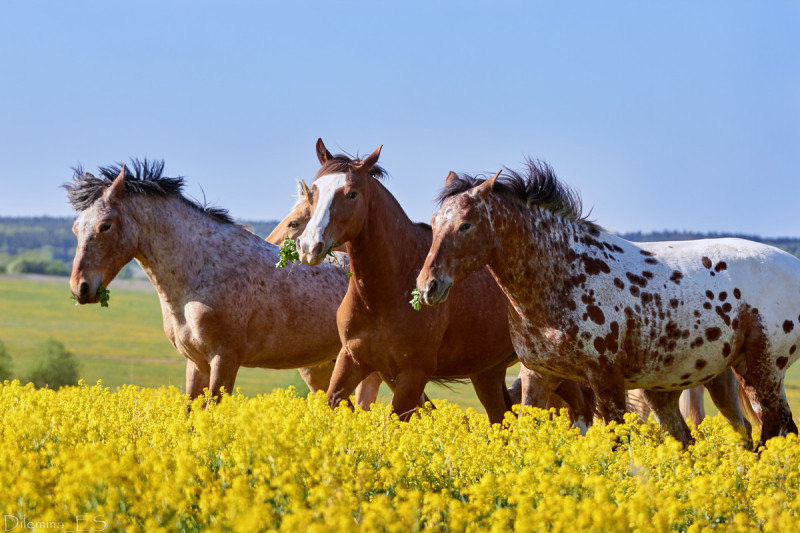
589	305
318	377
577	399
223	302
380	331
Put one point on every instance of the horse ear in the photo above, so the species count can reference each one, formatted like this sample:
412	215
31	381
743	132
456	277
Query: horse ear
368	162
450	179
114	192
306	192
322	153
486	187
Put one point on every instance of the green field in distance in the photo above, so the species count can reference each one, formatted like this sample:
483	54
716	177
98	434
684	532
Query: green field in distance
125	342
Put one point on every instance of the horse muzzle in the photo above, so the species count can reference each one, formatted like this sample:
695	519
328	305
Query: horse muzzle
83	292
312	255
435	291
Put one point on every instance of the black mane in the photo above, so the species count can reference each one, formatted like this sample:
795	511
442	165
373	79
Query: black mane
142	177
536	185
345	163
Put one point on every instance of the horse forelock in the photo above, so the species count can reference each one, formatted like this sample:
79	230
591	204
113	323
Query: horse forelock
344	163
535	186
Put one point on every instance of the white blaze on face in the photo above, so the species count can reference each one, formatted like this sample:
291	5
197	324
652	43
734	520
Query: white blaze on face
326	188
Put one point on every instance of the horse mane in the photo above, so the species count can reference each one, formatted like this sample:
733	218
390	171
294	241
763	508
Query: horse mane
142	177
536	185
345	163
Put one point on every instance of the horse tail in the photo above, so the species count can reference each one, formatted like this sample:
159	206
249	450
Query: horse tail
448	383
747	408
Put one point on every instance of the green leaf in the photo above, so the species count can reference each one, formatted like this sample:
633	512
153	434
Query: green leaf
103	295
414	301
287	254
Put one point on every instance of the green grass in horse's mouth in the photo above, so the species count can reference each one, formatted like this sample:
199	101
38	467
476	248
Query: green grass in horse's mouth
103	295
415	301
288	254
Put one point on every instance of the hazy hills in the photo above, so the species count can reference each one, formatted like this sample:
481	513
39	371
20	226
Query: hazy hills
46	245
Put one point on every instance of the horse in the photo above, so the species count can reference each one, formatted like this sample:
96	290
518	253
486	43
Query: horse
380	331
319	377
593	307
577	400
223	302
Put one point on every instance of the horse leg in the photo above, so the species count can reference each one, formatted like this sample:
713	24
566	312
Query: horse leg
769	397
724	392
665	408
636	403
409	387
691	405
318	377
609	391
576	397
423	399
196	380
490	386
367	390
223	374
787	422
759	375
515	390
347	374
537	390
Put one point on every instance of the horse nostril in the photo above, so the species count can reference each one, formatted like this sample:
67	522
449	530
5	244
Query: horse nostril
83	289
316	250
432	286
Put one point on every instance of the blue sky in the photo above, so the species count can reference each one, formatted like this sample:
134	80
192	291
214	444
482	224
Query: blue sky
679	116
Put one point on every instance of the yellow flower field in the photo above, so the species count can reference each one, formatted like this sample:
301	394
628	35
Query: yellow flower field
134	459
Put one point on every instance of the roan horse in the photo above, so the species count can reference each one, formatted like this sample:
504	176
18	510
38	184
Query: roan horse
380	331
318	377
589	305
223	302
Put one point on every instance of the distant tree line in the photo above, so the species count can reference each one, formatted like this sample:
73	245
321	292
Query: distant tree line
46	245
789	244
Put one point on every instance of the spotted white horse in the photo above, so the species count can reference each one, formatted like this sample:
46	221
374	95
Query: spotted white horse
591	306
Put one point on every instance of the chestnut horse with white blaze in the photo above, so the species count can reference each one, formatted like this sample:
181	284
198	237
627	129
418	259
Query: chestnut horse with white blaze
224	304
589	305
318	377
380	331
577	400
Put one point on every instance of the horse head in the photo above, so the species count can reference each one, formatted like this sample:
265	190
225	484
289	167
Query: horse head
107	240
339	199
463	240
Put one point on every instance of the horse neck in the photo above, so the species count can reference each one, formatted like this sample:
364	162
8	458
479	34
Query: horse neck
176	244
387	252
535	249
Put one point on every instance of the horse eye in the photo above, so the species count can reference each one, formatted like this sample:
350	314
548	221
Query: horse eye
105	227
465	226
293	224
352	195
